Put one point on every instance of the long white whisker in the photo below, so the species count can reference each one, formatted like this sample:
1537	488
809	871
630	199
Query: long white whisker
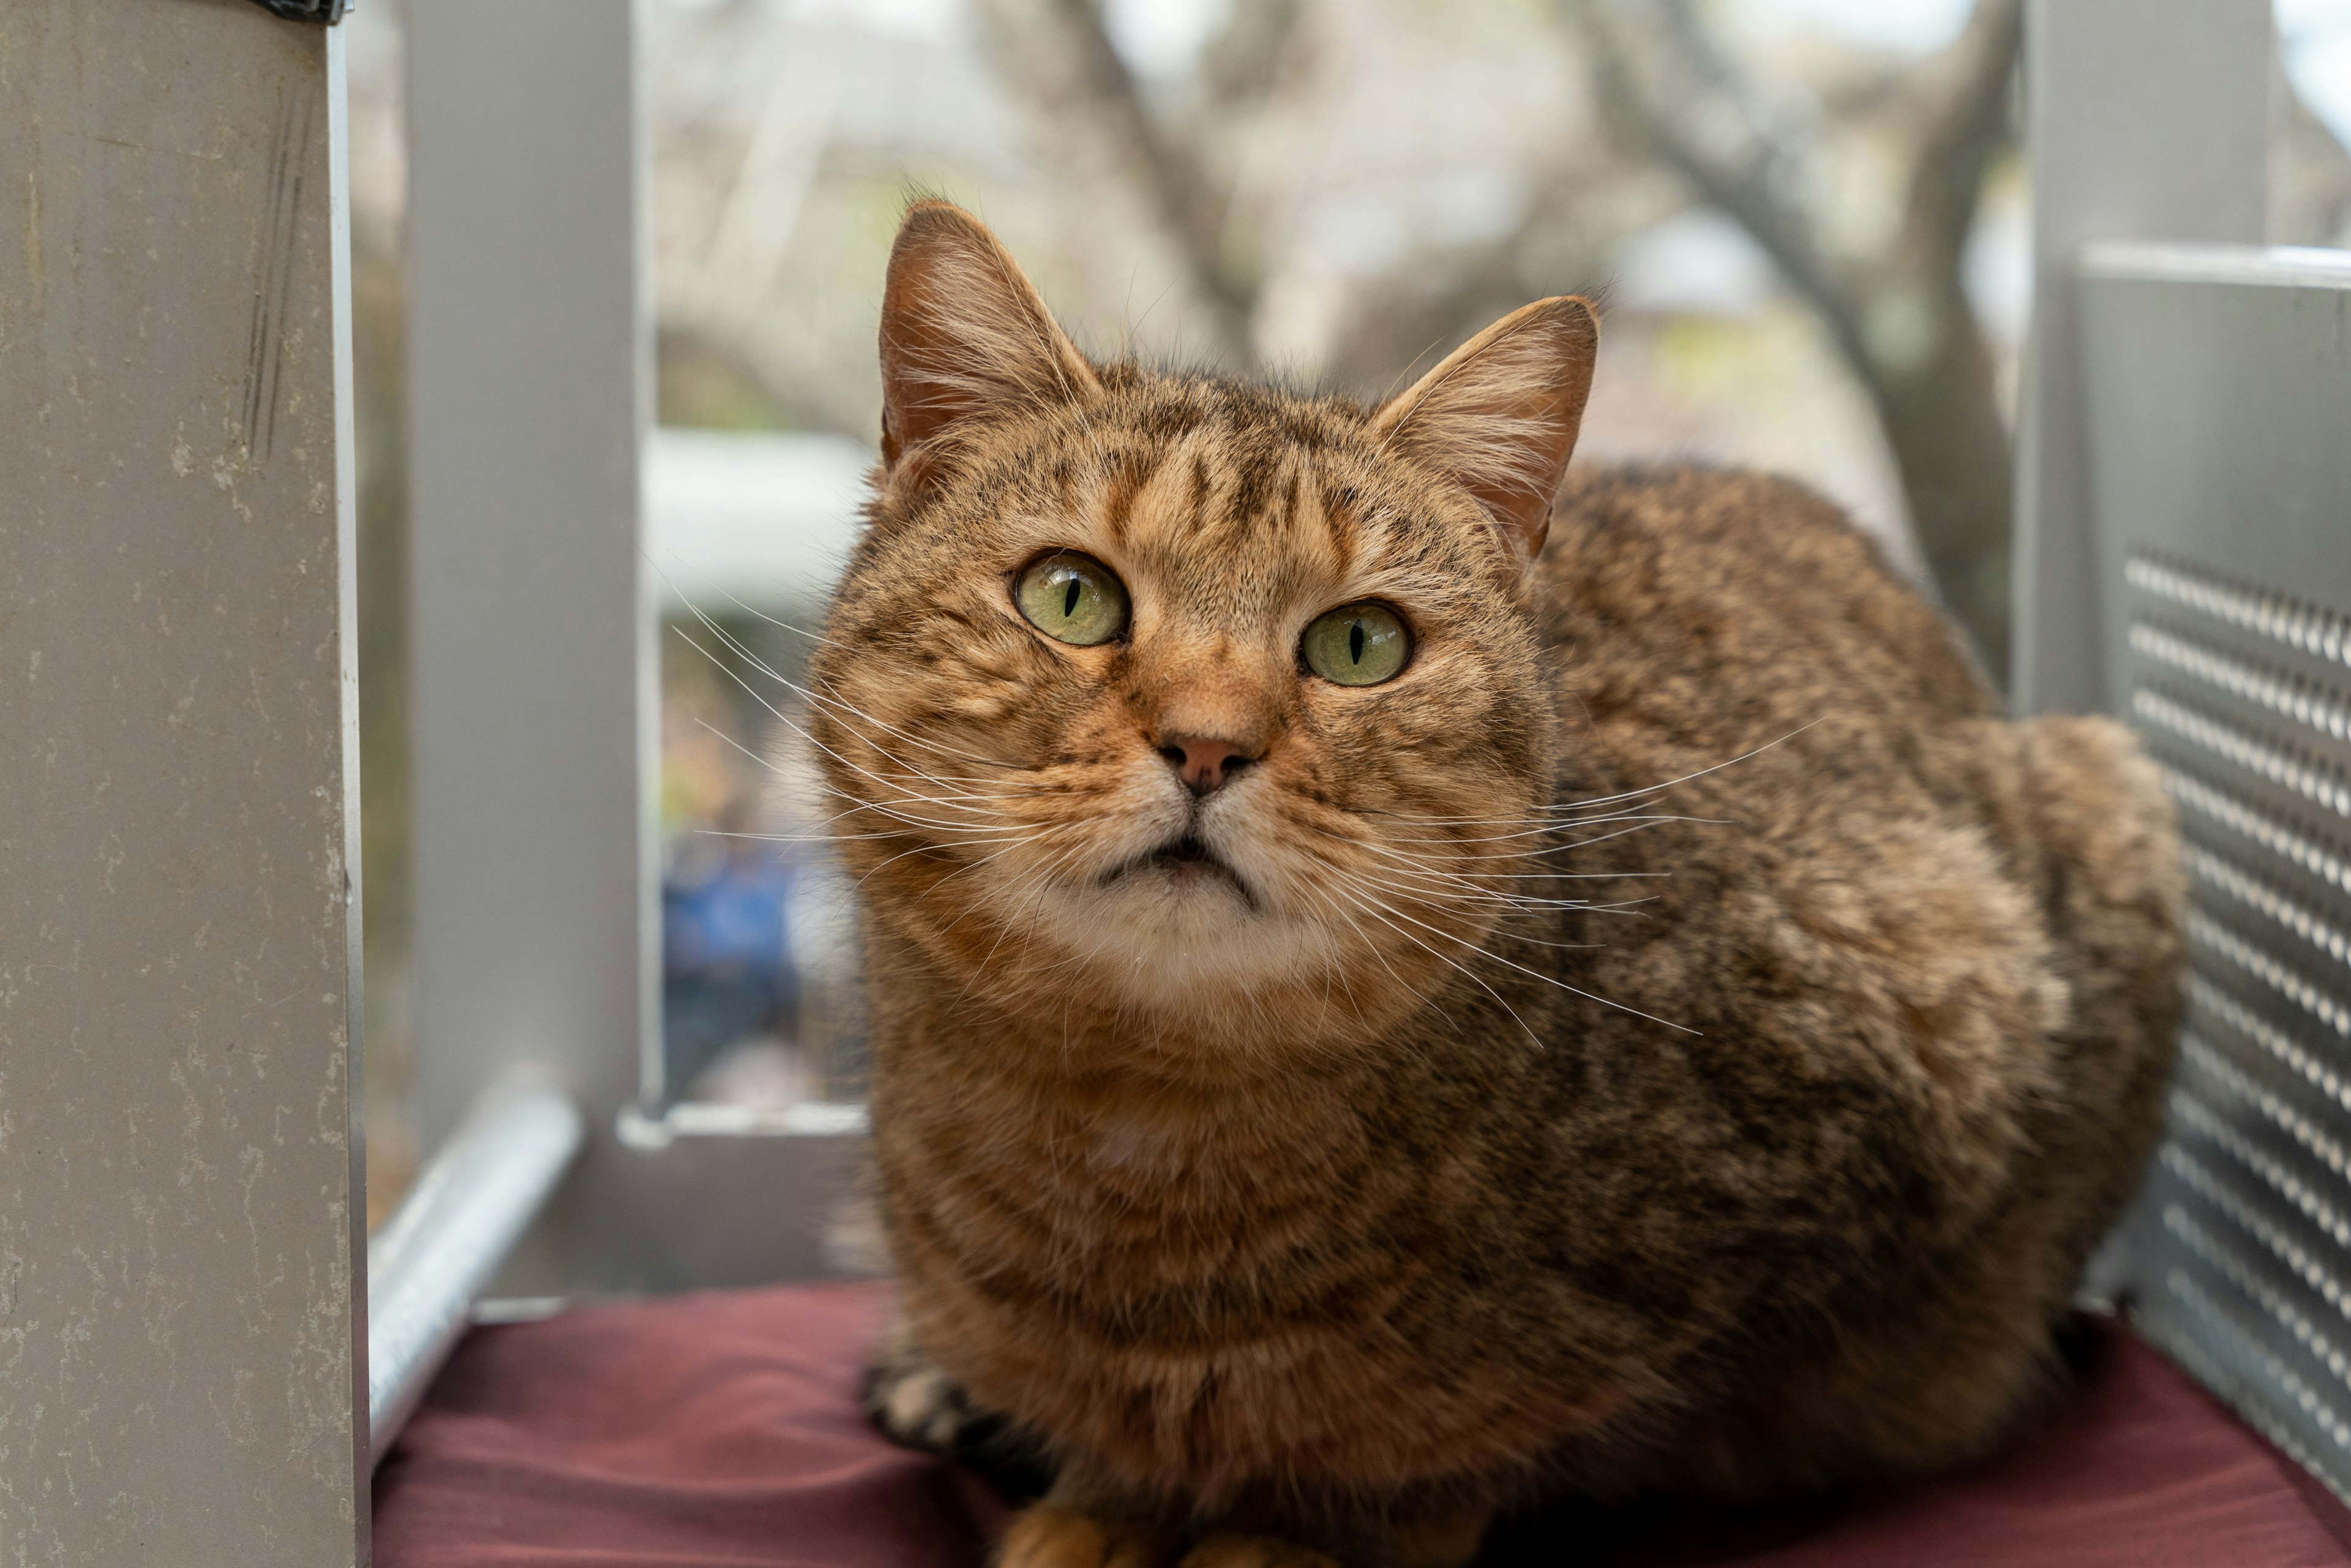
1539	975
1670	783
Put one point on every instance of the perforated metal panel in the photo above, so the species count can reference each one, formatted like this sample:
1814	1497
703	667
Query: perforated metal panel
2221	411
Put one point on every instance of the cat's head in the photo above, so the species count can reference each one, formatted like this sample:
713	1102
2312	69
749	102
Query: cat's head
1190	703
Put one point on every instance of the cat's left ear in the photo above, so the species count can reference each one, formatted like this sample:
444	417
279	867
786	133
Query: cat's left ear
1499	416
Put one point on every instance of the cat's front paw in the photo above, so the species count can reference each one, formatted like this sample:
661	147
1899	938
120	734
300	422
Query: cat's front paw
1047	1535
1231	1551
916	1403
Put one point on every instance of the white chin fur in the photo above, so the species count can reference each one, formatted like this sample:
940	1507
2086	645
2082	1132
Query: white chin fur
1182	939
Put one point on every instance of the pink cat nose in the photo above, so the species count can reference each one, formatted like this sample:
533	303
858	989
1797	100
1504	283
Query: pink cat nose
1204	764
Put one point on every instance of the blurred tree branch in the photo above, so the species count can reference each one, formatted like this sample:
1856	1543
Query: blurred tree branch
1060	55
1897	311
1060	52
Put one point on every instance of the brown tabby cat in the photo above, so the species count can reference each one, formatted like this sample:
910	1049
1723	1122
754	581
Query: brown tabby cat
1377	1014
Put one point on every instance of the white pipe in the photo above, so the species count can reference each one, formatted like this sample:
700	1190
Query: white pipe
437	1254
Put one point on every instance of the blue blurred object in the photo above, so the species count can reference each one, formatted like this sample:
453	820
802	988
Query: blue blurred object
726	963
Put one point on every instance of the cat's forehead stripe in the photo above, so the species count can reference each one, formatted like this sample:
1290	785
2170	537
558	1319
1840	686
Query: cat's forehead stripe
1234	520
1257	467
1121	486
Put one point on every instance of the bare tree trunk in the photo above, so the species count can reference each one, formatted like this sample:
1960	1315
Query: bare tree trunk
1901	319
1943	424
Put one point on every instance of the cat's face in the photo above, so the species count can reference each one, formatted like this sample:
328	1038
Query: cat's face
1178	700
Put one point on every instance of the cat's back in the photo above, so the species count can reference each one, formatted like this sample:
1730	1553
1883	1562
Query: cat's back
1940	943
1719	607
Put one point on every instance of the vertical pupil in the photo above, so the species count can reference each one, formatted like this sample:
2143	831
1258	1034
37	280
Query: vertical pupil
1070	597
1355	642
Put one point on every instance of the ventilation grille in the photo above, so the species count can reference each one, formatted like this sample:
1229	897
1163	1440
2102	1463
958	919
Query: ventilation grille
2241	1255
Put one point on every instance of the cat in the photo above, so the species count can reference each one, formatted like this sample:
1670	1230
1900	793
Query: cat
1404	980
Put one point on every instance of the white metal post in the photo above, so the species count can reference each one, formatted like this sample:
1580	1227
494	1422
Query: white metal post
534	699
2145	120
181	1367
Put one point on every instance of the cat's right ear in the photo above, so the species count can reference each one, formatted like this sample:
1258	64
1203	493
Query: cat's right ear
963	334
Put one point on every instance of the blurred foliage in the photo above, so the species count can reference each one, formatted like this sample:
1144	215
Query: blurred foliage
699	384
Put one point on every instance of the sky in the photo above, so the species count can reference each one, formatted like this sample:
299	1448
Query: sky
1910	26
2316	35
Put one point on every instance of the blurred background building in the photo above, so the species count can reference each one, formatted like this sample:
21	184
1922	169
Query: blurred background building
1804	217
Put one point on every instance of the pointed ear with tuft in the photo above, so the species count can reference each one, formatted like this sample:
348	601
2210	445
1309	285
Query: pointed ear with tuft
963	334
1498	417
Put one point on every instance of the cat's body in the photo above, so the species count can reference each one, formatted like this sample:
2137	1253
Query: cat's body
1394	1175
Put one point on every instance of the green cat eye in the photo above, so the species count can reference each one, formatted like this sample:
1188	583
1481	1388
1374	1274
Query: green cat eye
1357	646
1071	598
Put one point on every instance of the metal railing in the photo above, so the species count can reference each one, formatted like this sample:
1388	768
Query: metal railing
433	1258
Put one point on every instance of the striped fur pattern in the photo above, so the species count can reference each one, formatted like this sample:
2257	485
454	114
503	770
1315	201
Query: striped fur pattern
1674	1035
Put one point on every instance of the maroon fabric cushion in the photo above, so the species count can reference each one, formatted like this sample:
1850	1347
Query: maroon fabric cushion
724	1428
718	1428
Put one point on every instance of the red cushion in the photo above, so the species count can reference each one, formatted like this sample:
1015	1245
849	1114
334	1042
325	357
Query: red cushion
724	1428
